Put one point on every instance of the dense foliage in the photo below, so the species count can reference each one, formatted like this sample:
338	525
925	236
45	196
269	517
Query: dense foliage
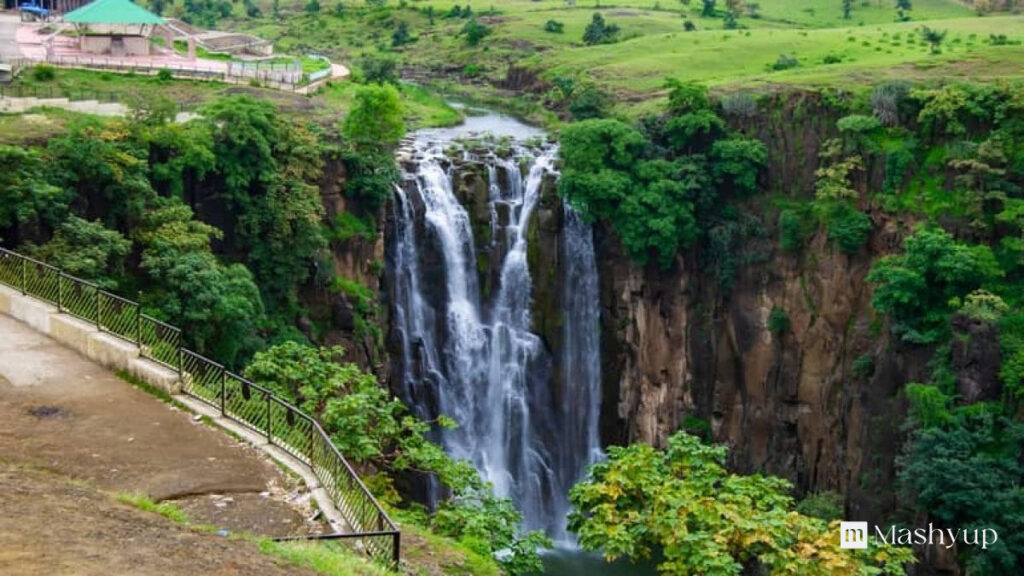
660	184
683	504
374	429
962	465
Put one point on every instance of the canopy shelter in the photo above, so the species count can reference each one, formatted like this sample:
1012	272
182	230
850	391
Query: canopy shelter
117	27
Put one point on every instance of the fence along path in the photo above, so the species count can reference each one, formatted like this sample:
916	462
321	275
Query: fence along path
238	399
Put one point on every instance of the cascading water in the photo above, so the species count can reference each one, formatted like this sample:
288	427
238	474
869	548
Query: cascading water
527	415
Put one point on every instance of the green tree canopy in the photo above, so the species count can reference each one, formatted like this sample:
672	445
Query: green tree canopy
683	503
917	289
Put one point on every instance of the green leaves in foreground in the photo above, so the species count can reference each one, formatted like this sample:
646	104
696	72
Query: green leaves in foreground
704	520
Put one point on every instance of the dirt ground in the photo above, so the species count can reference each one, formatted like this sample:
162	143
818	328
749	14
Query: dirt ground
73	435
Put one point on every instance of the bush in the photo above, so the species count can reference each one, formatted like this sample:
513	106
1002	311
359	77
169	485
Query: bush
689	26
826	506
848	227
785	62
742	105
313	6
886	100
44	73
778	321
863	366
554	26
164	75
475	32
590	102
793	229
379	70
832	59
599	32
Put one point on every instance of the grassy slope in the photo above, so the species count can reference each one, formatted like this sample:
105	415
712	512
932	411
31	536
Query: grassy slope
871	45
328	106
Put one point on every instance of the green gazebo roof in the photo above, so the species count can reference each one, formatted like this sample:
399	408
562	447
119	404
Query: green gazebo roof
112	12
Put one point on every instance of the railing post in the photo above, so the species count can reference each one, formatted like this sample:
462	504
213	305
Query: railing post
98	325
138	326
60	290
223	391
24	276
181	364
270	434
397	552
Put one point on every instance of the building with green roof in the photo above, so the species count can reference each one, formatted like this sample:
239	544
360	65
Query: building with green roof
115	27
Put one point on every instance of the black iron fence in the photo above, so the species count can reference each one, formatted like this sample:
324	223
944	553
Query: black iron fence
244	402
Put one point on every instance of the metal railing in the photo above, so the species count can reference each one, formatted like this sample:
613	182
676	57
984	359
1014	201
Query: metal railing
238	399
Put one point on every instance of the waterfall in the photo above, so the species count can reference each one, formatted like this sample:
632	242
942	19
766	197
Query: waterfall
471	355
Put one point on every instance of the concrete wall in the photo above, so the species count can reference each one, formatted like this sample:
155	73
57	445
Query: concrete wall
127	45
105	349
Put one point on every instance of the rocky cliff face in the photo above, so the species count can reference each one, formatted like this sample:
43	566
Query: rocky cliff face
809	392
335	317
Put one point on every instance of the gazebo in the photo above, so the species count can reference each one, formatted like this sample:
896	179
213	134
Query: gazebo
115	27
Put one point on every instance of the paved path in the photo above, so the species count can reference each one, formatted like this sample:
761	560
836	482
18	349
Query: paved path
62	417
9	22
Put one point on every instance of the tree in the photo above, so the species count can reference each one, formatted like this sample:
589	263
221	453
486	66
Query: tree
401	35
217	307
708	8
962	467
475	31
271	168
649	203
847	9
87	250
933	37
917	289
600	32
379	69
375	119
27	198
589	102
683	503
554	26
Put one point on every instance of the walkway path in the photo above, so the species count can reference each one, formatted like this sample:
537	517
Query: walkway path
72	434
9	50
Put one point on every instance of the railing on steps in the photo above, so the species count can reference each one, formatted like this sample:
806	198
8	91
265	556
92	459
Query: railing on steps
238	399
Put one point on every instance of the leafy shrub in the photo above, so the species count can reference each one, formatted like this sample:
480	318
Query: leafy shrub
863	366
858	123
554	26
785	62
599	32
379	69
848	227
831	59
794	229
164	75
985	306
44	73
475	31
741	105
825	506
590	102
636	503
689	26
778	321
401	36
917	289
347	226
